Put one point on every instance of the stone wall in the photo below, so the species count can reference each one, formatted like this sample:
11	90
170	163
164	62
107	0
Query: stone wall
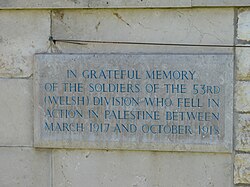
195	26
242	100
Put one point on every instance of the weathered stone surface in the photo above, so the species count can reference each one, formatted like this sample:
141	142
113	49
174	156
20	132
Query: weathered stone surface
243	133
140	169
243	25
16	112
242	169
205	3
93	4
20	4
120	121
24	167
23	33
188	26
242	96
243	63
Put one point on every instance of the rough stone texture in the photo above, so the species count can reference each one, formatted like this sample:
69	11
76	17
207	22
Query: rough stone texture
12	4
205	3
242	96
243	133
242	169
93	3
24	167
23	33
16	112
243	25
192	26
243	63
141	169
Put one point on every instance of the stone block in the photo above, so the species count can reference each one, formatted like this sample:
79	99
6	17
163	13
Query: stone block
140	169
16	112
242	169
243	25
198	3
24	167
243	63
242	95
45	4
182	26
8	4
23	33
243	133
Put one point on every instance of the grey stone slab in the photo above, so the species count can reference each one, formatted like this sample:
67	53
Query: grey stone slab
115	111
16	112
24	167
141	169
242	169
181	26
243	133
23	33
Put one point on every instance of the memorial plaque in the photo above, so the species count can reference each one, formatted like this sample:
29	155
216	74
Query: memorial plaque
165	102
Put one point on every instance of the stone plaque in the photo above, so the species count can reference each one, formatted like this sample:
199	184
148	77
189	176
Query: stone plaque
165	102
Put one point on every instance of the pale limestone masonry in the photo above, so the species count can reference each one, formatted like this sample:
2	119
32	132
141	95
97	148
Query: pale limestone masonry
242	142
94	4
22	166
131	168
242	170
16	97
20	4
243	63
242	91
20	39
205	3
243	25
26	31
242	103
179	26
